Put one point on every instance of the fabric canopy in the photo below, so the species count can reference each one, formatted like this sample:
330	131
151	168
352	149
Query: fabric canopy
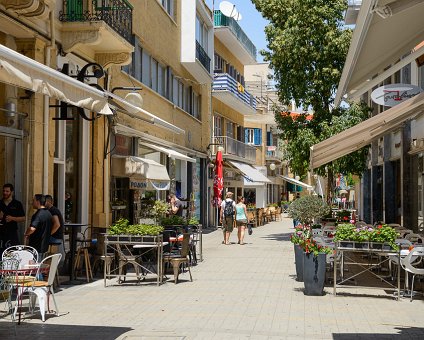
171	153
21	71
143	173
296	182
364	133
250	173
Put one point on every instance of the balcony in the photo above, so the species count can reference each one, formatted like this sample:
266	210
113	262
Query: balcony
203	57
226	89
228	31
98	28
352	11
234	149
273	154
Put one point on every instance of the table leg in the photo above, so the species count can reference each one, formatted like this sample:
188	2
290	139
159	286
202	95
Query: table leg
335	273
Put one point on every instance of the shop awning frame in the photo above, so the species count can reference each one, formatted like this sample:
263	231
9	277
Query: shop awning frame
364	133
169	152
296	182
132	166
248	172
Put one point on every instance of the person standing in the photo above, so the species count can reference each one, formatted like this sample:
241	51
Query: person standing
241	219
11	213
38	233
56	236
176	206
228	206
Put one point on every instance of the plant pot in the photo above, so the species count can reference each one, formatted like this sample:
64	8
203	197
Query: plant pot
298	258
346	244
361	245
314	274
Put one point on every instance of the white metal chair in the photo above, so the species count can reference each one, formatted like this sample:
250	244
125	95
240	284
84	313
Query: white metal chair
409	264
24	254
414	238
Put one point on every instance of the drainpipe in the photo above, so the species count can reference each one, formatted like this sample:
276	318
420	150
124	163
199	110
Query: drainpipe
46	98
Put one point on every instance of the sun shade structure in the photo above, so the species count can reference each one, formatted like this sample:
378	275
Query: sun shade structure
21	71
296	182
249	173
364	133
171	153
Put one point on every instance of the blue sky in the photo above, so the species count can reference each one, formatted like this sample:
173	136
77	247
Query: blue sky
252	22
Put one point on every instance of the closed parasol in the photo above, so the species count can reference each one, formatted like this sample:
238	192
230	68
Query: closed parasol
218	182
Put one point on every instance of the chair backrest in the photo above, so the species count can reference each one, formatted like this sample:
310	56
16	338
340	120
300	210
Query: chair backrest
185	245
411	259
24	254
250	215
403	242
316	232
53	261
414	238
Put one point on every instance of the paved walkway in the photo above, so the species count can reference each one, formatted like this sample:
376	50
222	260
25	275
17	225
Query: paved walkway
238	292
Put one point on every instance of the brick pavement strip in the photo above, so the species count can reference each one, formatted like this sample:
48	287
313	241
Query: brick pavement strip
238	292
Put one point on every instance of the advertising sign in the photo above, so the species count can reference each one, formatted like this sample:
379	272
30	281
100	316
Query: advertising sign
394	94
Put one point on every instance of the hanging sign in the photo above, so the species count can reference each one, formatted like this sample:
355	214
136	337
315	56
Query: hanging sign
148	184
394	94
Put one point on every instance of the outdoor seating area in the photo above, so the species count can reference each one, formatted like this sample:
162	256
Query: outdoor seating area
262	216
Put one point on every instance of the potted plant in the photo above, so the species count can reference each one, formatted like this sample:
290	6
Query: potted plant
298	239
307	209
384	237
343	216
345	235
118	204
122	231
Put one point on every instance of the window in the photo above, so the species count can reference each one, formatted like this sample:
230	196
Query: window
145	68
230	129
217	126
219	64
201	33
154	75
253	136
161	79
421	77
180	94
168	5
406	74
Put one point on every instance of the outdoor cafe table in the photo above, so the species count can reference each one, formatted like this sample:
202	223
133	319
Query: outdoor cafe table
341	252
20	277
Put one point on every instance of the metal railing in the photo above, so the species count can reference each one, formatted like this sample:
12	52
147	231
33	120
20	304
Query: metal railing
222	20
356	3
274	154
224	82
116	13
203	57
234	147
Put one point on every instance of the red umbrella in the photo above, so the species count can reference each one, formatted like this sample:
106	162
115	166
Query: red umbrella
218	181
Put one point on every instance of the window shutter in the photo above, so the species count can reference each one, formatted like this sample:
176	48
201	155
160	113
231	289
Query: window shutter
246	136
268	138
257	136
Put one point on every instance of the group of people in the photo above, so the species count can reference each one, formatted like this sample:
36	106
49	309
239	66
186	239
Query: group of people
46	226
233	214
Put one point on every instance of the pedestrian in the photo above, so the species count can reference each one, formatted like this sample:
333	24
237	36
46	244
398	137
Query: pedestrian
228	207
296	222
241	219
176	206
38	233
58	223
11	213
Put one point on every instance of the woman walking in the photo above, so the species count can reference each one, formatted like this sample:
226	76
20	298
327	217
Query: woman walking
241	219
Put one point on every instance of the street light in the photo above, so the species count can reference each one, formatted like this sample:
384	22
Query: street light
272	166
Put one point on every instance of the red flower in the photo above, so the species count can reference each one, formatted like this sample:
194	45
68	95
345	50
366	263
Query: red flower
380	226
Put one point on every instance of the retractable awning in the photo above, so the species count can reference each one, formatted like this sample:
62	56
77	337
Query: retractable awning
296	182
250	173
171	153
143	173
364	133
384	33
21	71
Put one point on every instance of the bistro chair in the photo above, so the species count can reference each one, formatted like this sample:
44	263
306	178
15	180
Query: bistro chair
83	251
182	259
251	218
278	214
409	263
415	238
24	254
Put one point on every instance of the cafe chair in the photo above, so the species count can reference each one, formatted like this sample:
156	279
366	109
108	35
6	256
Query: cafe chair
82	252
24	254
409	263
180	260
8	267
125	257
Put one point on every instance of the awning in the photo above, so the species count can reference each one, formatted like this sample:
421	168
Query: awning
171	153
382	35
250	173
21	71
364	133
296	182
143	173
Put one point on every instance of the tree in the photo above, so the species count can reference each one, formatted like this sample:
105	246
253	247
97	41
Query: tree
307	48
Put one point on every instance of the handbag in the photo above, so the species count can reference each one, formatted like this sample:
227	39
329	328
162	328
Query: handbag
249	228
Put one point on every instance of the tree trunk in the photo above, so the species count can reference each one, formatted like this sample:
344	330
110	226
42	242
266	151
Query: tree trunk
330	180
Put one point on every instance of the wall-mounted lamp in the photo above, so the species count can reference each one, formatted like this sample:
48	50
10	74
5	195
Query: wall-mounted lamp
297	178
272	166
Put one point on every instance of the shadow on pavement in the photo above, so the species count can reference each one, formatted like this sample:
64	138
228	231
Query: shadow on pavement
278	237
29	330
404	333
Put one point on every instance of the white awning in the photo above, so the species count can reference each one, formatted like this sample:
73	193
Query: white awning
382	36
21	71
364	133
171	153
127	166
250	173
296	182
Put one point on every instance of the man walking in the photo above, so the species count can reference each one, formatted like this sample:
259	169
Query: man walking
228	207
38	233
11	213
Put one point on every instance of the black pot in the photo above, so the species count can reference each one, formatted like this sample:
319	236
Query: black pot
314	274
298	258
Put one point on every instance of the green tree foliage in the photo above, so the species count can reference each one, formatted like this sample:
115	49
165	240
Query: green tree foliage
307	47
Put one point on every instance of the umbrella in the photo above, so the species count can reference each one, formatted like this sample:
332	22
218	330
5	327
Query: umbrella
218	182
343	191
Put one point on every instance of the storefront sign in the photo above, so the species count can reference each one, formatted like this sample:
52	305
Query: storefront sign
271	148
394	94
137	185
148	184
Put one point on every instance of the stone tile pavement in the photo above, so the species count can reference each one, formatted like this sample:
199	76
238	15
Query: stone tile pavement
238	292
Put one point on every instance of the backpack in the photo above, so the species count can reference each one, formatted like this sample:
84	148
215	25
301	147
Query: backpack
229	208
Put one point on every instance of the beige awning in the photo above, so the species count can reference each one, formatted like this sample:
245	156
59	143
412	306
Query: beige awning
169	152
296	182
21	71
364	133
249	172
382	36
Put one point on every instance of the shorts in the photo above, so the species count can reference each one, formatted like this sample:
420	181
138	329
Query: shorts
242	222
228	224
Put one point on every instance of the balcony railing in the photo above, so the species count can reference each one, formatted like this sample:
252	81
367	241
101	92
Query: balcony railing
274	154
116	13
235	148
222	20
203	57
224	82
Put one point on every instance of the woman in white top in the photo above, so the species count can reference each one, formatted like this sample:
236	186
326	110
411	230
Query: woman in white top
241	219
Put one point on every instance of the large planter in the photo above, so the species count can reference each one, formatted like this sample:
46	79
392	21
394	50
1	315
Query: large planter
298	258
314	274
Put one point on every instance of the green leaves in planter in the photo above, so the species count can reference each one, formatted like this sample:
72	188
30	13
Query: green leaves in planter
122	227
193	221
172	220
308	208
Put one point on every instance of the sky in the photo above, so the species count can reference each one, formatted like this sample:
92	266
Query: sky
252	22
